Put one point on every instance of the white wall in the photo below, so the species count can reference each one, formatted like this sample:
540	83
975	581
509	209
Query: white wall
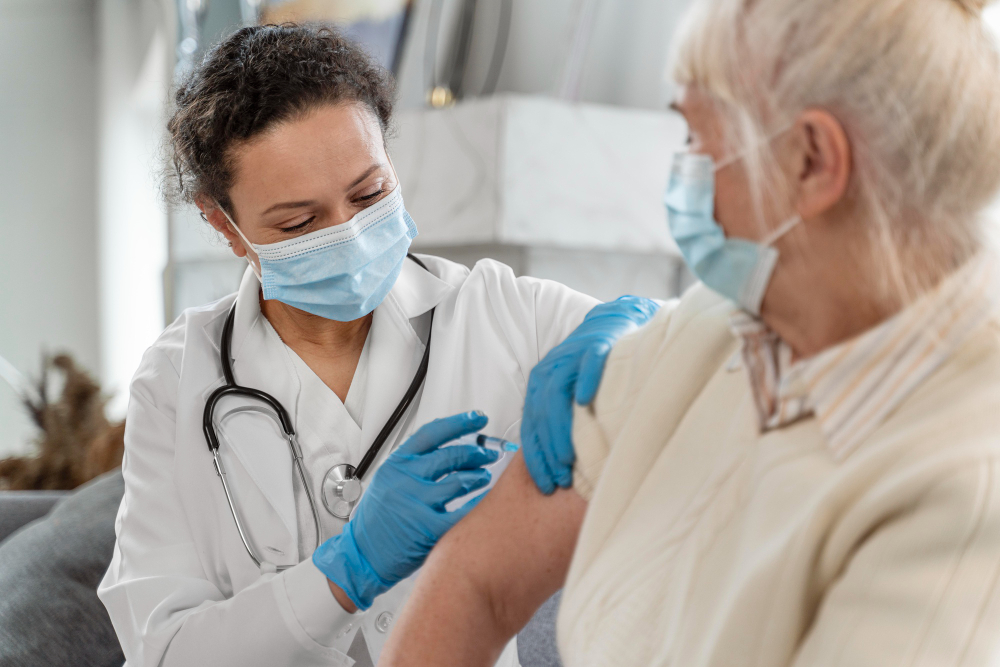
201	269
48	258
136	58
82	232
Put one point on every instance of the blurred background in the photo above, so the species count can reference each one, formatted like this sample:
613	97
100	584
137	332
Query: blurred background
531	131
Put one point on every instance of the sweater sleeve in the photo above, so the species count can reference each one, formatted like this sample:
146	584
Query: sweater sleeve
922	588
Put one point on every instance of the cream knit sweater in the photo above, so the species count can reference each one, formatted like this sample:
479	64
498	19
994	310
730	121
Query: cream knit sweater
707	543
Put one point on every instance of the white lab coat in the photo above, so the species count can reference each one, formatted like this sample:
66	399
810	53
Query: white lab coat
181	588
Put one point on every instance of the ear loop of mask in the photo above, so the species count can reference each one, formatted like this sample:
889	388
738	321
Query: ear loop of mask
732	159
789	224
782	229
246	243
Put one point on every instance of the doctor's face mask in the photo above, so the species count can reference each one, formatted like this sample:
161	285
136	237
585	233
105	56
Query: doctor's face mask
341	272
738	269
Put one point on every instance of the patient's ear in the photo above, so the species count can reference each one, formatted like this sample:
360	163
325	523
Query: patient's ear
821	156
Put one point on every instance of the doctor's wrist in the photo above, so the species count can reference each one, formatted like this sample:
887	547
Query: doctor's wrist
344	565
341	597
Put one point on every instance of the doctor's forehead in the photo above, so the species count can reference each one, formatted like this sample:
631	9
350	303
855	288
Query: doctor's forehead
329	147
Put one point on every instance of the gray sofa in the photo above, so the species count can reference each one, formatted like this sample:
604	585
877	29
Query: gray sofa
49	571
19	508
54	549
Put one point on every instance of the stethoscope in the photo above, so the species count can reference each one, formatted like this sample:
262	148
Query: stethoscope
341	488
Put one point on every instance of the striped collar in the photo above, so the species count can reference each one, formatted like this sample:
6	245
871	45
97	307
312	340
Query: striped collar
852	387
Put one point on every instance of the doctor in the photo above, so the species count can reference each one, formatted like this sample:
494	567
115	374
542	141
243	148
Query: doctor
255	423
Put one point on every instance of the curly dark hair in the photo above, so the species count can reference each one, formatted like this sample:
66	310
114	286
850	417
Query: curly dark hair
254	79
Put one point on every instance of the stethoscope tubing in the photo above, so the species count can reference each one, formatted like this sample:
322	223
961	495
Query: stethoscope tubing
231	388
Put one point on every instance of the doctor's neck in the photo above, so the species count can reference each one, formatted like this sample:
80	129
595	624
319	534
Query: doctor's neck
330	348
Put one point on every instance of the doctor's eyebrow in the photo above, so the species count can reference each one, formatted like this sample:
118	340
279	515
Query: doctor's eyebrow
288	204
368	172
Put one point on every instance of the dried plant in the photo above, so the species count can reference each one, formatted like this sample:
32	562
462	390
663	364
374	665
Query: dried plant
76	443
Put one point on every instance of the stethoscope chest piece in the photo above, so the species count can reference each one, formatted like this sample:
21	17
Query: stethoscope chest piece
341	490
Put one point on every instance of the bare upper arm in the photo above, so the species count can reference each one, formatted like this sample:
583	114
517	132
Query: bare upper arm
488	575
518	544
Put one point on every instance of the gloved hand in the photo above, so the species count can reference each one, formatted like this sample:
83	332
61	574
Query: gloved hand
572	369
402	516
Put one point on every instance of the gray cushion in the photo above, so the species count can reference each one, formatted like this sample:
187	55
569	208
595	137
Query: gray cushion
49	571
18	508
536	643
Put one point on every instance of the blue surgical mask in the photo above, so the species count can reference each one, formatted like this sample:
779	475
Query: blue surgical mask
738	269
342	272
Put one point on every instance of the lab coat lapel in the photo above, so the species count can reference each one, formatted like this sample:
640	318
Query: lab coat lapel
261	362
395	356
396	348
418	290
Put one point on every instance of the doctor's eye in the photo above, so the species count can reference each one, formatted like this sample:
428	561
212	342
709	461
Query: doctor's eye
367	199
299	227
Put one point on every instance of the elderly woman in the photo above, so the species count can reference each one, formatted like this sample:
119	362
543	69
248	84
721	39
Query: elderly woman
797	464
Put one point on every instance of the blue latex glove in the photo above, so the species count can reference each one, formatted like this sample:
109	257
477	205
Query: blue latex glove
572	369
401	516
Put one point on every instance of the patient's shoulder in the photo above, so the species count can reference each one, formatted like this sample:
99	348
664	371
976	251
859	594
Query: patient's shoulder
692	332
672	357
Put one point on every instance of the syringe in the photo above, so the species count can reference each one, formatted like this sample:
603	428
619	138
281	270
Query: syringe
504	448
496	444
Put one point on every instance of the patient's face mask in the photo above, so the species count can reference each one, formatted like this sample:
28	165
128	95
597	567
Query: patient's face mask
735	268
342	272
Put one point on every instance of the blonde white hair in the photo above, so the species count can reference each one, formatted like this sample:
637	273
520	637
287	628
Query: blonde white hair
914	83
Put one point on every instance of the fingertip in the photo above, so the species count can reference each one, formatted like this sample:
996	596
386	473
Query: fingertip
474	454
543	483
481	479
468	422
566	458
477	417
442	430
586	390
489	456
537	465
540	484
591	373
